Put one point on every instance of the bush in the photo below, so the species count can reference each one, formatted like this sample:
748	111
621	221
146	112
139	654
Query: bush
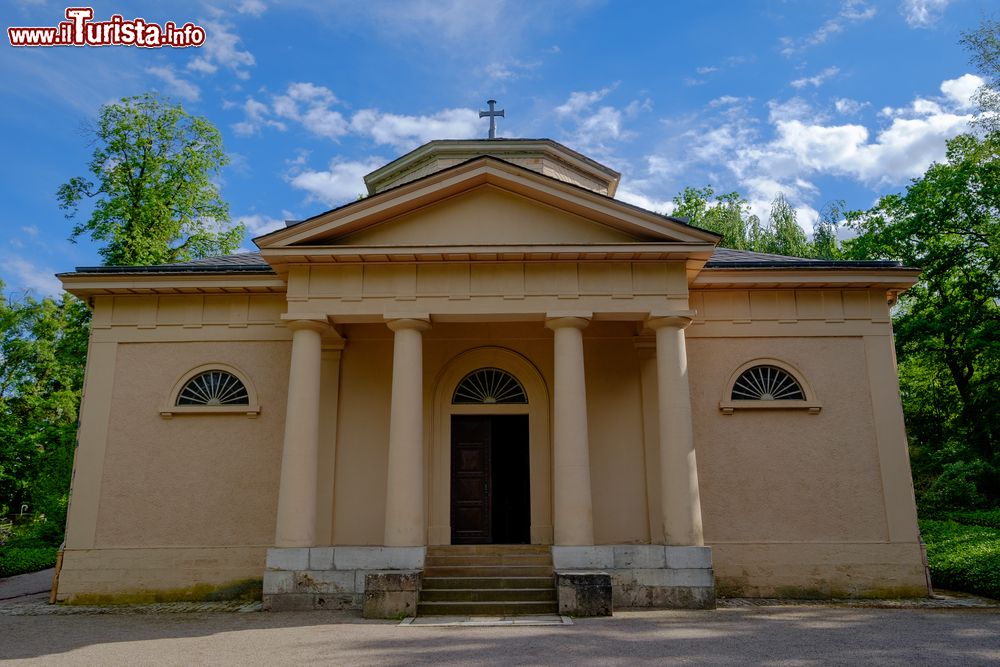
988	518
20	560
956	488
962	557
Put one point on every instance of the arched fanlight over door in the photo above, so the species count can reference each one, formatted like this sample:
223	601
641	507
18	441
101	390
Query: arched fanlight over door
489	386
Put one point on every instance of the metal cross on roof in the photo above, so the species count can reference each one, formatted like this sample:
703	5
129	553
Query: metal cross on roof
493	114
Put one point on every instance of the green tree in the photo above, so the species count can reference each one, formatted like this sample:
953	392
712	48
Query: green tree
42	345
824	243
782	235
948	325
984	46
729	215
151	181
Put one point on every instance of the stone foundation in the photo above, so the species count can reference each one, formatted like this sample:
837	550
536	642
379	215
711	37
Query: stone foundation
148	574
392	594
584	594
337	577
646	575
820	570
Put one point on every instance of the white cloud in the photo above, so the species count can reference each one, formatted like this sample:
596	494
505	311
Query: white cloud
31	230
706	70
221	49
258	225
257	115
406	132
666	207
794	108
252	7
581	100
28	276
962	90
851	11
849	107
817	80
922	13
342	182
798	144
728	101
904	149
594	127
511	70
310	104
175	85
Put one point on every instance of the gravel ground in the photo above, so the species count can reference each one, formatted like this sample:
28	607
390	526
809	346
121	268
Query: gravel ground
786	635
950	629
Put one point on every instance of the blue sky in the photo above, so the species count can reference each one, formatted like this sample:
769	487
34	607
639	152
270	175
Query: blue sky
819	100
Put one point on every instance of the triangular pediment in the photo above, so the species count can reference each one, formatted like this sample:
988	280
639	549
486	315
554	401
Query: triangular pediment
487	215
485	201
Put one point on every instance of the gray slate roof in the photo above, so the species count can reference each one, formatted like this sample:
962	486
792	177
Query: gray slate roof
722	258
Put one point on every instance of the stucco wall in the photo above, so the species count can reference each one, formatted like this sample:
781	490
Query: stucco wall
787	475
194	479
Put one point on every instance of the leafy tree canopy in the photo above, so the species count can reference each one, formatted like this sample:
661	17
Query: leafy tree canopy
984	46
948	325
729	215
151	181
42	345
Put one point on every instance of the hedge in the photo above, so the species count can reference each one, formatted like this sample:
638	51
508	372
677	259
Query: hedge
963	557
20	560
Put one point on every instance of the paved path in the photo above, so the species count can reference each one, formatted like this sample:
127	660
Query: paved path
802	635
26	584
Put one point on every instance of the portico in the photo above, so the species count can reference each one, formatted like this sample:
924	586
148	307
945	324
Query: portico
339	279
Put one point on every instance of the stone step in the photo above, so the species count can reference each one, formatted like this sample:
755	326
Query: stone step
488	571
488	549
485	608
433	583
488	559
488	595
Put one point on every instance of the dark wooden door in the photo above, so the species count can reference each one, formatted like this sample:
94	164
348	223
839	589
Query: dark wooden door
471	520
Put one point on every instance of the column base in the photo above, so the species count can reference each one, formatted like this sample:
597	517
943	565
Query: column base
645	575
305	578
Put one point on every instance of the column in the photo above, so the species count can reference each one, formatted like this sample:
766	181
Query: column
679	493
327	457
404	501
572	509
296	525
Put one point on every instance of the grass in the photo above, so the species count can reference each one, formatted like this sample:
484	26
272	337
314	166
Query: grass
963	551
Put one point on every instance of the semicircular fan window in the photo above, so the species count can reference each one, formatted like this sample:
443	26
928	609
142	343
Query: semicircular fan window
213	388
766	383
487	386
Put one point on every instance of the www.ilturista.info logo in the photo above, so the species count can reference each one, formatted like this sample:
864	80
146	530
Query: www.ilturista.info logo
80	30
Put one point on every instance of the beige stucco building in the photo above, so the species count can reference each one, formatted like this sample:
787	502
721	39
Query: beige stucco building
491	349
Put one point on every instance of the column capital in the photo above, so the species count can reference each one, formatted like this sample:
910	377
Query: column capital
555	322
416	322
319	326
680	319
